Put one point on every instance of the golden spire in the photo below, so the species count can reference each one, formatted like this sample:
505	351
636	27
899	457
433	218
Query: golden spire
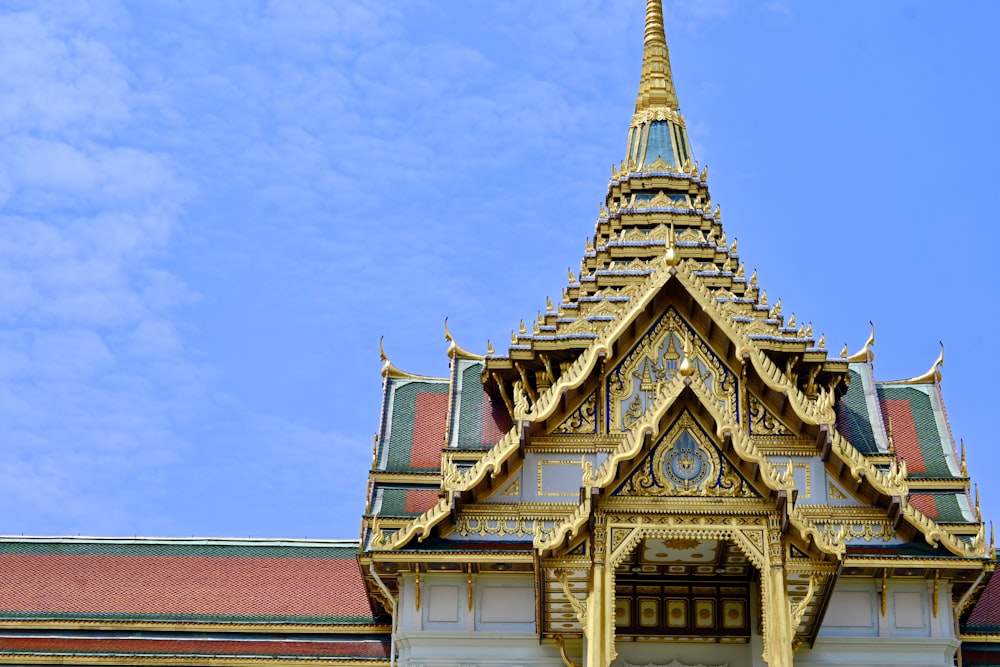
656	87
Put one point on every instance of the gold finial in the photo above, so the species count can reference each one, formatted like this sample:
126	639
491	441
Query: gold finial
704	174
763	298
489	348
965	468
718	212
753	279
513	337
933	375
590	245
390	371
671	257
741	271
549	308
979	509
523	329
822	341
686	368
791	321
572	278
865	353
843	353
732	248
809	330
454	349
656	87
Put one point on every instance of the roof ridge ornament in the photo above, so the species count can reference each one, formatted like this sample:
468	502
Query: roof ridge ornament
457	351
932	375
389	370
865	354
656	86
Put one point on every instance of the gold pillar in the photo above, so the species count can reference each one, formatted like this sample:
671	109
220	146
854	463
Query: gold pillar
600	630
778	626
778	630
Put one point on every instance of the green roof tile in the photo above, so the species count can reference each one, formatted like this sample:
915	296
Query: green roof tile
853	419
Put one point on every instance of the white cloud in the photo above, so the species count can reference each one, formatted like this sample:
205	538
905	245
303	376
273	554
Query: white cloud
83	306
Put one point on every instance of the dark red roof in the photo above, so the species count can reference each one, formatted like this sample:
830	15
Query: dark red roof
986	613
194	581
366	649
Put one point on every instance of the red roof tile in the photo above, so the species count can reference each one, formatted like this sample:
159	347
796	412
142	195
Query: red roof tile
419	501
987	610
904	434
373	650
182	585
924	503
496	421
429	430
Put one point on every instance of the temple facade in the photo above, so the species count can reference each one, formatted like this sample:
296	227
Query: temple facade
663	469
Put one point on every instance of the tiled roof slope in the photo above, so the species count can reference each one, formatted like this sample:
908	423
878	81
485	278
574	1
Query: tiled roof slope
393	501
61	649
413	425
475	419
943	507
911	416
858	419
182	581
919	429
985	616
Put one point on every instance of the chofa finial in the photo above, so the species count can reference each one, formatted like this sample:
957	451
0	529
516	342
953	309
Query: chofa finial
865	353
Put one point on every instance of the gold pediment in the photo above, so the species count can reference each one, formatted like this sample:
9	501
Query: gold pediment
685	462
656	358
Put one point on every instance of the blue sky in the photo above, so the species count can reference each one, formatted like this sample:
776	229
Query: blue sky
210	212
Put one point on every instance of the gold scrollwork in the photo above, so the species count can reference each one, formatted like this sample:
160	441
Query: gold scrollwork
860	530
636	381
500	526
583	419
670	469
762	421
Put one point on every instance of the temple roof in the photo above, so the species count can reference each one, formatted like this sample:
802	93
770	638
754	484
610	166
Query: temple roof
985	616
183	581
64	599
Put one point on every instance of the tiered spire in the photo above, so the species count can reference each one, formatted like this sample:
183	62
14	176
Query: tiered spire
657	209
658	134
656	87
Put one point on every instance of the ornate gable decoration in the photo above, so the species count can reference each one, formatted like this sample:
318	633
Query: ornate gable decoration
685	462
634	382
764	422
581	420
